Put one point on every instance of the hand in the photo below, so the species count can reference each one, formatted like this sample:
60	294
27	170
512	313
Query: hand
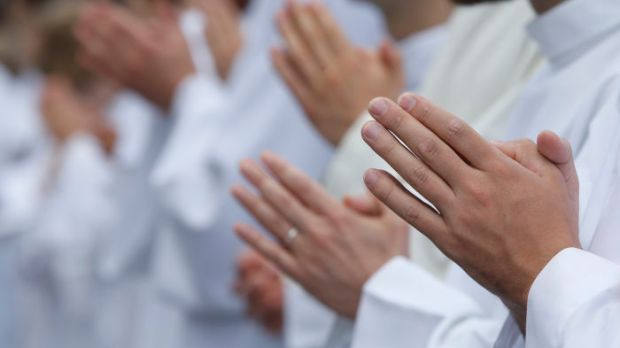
501	214
66	115
332	79
260	284
149	56
339	245
223	32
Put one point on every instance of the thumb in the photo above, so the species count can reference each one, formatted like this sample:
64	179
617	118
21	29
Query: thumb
558	151
390	56
365	204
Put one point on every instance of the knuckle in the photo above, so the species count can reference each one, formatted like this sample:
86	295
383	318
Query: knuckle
479	194
385	191
397	121
525	144
424	110
322	239
464	218
419	175
456	127
412	214
428	148
332	79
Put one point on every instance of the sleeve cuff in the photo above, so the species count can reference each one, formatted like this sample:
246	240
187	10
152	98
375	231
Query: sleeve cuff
571	279
193	88
402	305
182	176
83	161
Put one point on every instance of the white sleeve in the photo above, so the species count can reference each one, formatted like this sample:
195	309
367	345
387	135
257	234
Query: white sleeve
307	322
404	306
77	211
183	178
78	206
575	302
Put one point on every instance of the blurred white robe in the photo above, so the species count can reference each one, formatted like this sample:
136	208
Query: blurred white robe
216	125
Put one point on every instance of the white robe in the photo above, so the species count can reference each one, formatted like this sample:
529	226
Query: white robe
568	96
70	300
215	126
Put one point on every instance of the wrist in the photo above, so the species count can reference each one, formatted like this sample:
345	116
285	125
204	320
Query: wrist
518	303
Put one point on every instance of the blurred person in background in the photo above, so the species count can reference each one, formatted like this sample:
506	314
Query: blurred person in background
216	123
334	80
86	139
20	146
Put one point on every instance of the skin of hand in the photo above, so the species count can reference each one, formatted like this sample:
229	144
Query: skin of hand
148	55
223	32
500	212
332	79
260	284
66	115
339	246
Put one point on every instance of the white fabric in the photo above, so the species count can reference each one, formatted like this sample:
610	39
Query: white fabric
483	97
69	299
584	309
22	159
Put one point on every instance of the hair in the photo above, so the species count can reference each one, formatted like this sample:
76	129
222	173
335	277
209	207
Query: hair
12	15
59	47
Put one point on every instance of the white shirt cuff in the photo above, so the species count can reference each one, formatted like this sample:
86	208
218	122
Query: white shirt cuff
402	305
571	279
184	177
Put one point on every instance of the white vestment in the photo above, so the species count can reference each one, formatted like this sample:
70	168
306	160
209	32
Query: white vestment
217	124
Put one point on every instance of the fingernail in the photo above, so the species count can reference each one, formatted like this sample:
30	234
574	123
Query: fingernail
378	107
371	131
371	177
407	102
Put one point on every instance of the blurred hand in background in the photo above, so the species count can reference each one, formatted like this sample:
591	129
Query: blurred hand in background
148	55
332	79
261	285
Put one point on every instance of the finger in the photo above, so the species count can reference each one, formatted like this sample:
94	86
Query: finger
248	261
366	204
559	151
410	167
269	249
391	57
295	46
432	150
411	209
292	77
312	33
303	187
280	199
331	30
452	130
273	222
